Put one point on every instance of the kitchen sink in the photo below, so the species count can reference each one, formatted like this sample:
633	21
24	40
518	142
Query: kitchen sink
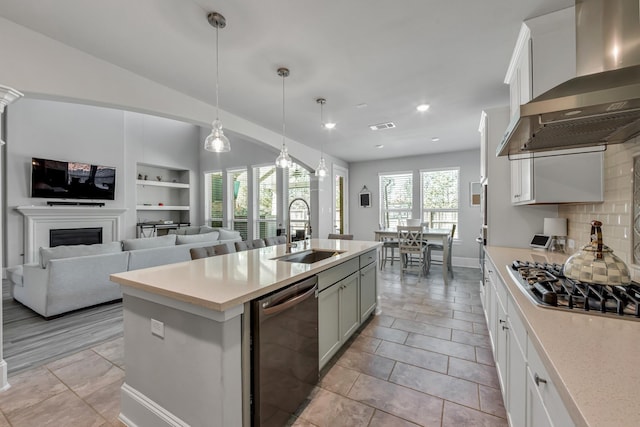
308	257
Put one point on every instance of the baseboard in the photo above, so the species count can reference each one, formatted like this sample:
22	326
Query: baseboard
465	262
4	382
136	409
461	262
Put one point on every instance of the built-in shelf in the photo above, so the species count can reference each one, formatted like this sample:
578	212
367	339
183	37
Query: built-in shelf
161	208
162	184
162	194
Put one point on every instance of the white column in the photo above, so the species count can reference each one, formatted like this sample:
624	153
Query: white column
7	96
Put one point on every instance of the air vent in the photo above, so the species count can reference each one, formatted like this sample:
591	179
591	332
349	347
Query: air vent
380	126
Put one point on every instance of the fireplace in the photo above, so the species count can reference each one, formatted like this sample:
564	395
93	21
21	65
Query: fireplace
39	220
75	236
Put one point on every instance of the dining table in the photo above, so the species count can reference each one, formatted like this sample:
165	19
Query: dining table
427	234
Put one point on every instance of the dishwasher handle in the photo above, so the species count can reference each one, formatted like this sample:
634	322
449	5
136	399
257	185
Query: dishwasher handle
284	305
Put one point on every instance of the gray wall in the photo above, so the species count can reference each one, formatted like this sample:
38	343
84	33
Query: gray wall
363	221
65	131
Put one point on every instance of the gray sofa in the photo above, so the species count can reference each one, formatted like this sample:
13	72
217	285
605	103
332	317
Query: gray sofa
72	277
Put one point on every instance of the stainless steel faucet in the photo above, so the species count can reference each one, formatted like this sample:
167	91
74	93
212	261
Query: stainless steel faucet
307	225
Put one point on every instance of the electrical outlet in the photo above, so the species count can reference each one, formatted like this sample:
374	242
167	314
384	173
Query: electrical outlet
157	328
572	244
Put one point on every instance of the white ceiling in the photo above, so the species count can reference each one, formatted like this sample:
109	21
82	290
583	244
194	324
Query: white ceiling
391	56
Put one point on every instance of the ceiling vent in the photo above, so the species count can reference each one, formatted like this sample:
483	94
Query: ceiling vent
380	126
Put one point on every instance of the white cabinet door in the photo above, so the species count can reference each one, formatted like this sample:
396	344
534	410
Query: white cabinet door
516	380
349	302
536	412
368	277
521	180
328	323
501	350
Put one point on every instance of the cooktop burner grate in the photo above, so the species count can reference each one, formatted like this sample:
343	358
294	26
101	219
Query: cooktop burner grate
546	285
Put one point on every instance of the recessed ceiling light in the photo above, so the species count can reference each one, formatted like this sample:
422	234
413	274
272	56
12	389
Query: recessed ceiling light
422	107
329	125
362	105
435	139
379	146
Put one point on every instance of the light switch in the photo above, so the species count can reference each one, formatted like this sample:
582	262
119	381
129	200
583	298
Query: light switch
572	244
157	328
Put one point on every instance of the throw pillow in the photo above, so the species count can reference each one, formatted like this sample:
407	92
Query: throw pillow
195	238
206	229
70	251
229	234
149	242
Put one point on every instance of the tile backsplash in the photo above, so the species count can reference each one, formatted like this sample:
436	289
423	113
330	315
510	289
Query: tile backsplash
616	212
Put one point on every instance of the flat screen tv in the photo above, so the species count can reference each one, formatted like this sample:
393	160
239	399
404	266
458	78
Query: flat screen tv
72	180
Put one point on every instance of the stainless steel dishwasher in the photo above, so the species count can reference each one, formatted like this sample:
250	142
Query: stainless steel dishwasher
284	352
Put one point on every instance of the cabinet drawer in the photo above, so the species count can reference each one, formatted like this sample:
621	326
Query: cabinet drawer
549	394
368	258
335	274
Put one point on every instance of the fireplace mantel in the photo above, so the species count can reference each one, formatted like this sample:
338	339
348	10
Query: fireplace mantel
38	220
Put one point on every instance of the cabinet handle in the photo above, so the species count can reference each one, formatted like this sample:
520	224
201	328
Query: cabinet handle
502	321
539	380
505	328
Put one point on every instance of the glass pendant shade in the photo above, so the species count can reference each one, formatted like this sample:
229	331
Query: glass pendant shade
217	141
284	160
321	170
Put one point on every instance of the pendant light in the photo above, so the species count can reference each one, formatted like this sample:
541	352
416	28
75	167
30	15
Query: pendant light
283	160
321	170
217	141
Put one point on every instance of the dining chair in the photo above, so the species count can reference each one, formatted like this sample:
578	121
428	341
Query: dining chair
340	236
224	248
438	247
258	243
389	244
411	246
242	246
198	253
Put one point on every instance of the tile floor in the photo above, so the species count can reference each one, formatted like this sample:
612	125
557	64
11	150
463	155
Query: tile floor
425	361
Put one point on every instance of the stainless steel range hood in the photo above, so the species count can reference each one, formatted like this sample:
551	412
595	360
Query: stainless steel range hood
602	105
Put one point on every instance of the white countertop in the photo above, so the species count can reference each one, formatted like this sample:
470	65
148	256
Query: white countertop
593	360
225	281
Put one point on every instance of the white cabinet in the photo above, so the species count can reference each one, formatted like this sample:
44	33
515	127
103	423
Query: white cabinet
338	315
368	284
162	195
521	180
519	76
544	57
543	395
566	177
528	402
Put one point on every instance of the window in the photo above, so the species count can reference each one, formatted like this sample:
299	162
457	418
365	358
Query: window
215	212
440	191
299	185
396	198
266	201
239	208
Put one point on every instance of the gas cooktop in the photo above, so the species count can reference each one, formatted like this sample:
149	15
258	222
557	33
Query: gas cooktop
546	286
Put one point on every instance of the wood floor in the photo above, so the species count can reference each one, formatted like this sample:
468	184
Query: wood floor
30	340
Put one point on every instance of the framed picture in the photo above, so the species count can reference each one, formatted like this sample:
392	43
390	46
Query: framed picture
365	199
475	188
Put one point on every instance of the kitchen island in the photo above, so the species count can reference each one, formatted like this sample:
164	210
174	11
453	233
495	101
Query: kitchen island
186	331
590	360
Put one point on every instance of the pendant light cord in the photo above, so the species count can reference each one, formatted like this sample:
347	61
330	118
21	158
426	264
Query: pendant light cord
217	76
283	118
322	125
